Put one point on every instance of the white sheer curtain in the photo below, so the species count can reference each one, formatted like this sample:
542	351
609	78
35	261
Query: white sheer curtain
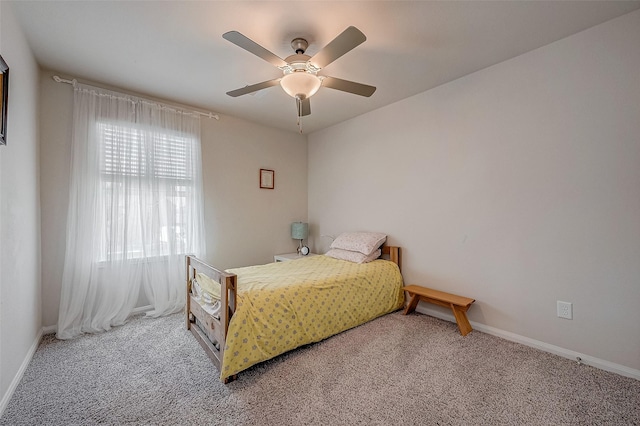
135	209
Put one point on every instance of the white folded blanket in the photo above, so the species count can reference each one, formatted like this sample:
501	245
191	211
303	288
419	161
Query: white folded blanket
213	309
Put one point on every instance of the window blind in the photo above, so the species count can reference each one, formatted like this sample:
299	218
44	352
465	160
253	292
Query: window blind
126	152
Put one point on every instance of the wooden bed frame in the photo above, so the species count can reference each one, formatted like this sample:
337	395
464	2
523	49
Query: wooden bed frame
210	331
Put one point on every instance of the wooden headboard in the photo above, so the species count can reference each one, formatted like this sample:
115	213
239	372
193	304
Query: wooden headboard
394	254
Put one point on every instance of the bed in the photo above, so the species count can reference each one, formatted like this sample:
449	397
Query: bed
266	310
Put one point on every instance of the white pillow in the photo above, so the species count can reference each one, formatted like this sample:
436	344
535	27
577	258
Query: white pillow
363	242
353	256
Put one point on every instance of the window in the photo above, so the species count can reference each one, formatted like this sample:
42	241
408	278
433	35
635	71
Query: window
146	186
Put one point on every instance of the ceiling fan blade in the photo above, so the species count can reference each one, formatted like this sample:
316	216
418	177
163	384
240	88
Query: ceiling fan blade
253	47
347	40
253	88
303	106
348	86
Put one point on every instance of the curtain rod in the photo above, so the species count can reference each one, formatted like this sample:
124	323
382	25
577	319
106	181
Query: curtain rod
74	81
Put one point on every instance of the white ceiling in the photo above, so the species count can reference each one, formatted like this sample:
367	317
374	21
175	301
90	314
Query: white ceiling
175	50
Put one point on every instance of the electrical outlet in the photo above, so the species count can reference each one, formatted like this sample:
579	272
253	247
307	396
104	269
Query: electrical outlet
565	310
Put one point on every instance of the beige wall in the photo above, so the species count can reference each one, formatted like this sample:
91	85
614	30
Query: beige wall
244	224
516	185
56	101
20	324
247	225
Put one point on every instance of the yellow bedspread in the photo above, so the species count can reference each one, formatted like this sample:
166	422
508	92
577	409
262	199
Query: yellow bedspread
284	305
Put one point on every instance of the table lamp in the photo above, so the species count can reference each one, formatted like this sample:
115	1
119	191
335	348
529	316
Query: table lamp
300	231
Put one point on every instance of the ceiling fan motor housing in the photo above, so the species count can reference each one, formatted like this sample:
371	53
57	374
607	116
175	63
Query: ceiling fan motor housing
300	79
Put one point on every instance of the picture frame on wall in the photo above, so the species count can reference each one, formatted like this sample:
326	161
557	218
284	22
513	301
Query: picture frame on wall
267	179
4	98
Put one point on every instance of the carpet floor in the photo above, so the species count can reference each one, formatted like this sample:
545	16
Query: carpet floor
396	369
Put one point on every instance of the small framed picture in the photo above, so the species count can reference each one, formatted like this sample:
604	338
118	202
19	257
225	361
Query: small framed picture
4	99
267	179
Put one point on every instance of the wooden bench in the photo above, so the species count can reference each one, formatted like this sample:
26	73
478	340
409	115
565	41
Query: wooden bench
458	304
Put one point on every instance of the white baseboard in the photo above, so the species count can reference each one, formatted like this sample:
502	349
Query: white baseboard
16	380
557	350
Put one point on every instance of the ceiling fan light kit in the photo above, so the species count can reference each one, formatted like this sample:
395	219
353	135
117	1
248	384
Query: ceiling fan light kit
300	79
300	84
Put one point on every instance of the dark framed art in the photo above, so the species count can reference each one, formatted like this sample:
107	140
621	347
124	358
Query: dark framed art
4	98
267	179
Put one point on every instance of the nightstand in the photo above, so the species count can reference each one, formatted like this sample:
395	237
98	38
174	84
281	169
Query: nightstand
290	256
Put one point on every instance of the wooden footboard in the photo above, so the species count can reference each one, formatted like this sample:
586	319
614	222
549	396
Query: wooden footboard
209	331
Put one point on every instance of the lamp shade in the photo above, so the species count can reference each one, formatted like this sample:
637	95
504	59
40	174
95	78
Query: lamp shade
299	230
300	84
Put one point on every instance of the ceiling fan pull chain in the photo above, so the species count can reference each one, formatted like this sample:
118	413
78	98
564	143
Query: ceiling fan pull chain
299	108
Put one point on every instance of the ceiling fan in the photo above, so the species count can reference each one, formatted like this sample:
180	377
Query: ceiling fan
300	72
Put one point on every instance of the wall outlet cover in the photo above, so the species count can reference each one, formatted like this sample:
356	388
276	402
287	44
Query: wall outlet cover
565	310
